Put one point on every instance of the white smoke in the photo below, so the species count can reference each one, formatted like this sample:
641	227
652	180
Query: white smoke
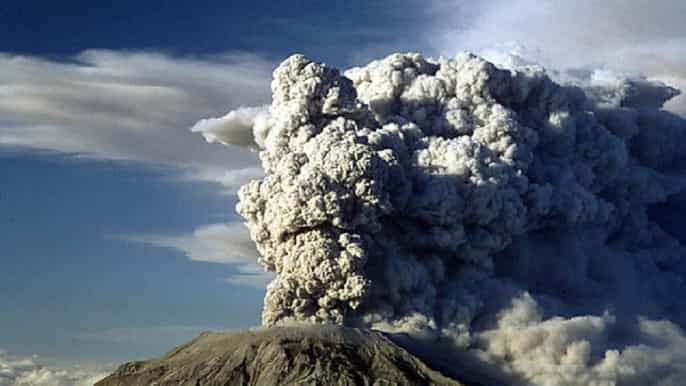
235	128
527	224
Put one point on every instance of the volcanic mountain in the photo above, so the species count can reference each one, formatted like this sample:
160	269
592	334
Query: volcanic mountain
293	355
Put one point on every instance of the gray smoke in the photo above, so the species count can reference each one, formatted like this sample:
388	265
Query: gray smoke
530	226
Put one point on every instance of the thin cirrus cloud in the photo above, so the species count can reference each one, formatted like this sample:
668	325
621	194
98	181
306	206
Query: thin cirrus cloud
130	106
224	243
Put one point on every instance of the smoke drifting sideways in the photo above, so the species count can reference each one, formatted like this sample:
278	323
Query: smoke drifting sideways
532	227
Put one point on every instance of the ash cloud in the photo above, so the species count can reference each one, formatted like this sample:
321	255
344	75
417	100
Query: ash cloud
645	37
525	224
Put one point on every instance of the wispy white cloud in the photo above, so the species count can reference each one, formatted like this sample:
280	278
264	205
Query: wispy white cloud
29	371
231	179
129	105
225	243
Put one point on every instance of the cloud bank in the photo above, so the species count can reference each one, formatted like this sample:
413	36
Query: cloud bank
516	221
18	371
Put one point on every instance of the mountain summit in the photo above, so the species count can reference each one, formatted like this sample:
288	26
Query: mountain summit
294	355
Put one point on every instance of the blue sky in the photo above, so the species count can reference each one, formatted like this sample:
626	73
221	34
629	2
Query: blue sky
67	276
83	276
329	30
117	229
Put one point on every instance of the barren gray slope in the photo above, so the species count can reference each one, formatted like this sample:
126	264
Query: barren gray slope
303	355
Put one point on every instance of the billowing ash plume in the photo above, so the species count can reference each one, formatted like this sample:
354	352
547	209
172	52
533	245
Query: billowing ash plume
533	227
